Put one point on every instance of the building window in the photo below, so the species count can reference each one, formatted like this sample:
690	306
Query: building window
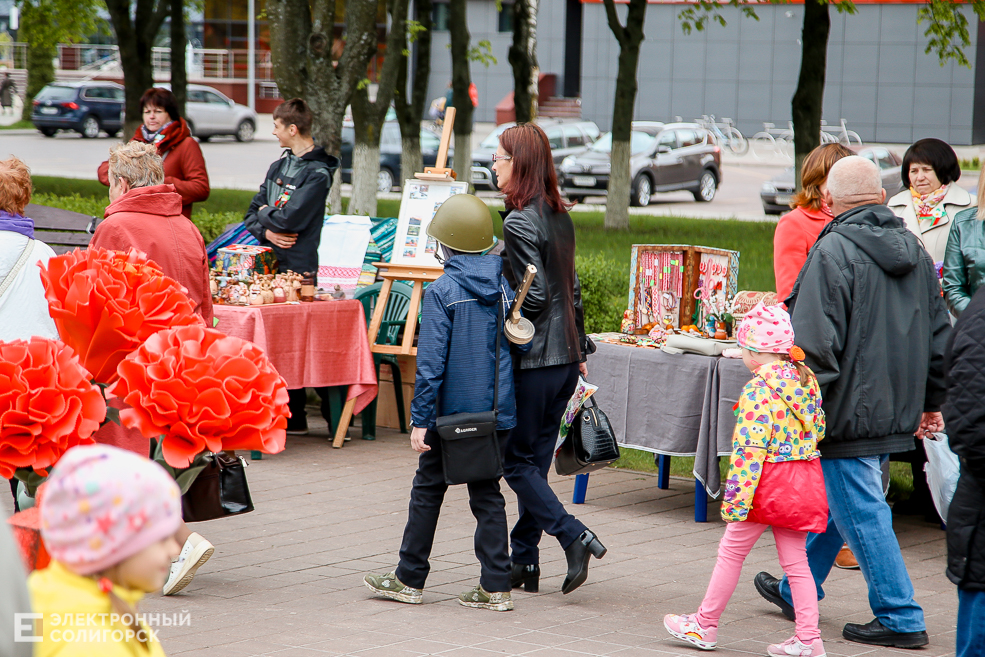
506	17
439	17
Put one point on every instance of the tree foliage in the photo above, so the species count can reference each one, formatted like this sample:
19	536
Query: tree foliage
43	25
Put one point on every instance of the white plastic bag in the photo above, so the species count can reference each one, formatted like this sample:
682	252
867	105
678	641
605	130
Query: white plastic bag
942	470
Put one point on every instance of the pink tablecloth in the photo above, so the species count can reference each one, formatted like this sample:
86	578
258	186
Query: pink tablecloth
316	344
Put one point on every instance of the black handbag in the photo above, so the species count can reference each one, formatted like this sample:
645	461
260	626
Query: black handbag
219	490
469	444
590	444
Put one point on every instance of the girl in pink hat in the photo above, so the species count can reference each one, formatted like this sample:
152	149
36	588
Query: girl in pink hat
108	519
774	480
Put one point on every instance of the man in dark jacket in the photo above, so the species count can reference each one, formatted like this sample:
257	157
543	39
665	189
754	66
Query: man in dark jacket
288	212
964	362
867	310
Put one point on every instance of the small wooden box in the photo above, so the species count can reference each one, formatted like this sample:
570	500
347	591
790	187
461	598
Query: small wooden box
386	408
684	265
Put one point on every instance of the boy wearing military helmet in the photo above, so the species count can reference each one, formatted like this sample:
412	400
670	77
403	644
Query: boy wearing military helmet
456	361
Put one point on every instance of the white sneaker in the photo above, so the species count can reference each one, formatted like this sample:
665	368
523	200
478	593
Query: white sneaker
194	553
792	647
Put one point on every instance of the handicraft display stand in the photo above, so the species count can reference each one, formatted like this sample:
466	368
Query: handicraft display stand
673	284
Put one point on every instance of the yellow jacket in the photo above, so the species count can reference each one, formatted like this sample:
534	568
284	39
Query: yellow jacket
77	618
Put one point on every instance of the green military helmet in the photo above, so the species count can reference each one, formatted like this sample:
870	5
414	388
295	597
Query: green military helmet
463	223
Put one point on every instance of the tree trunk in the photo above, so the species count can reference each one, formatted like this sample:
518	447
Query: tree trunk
301	48
411	111
135	34
808	100
461	79
411	160
365	169
40	53
179	74
629	38
523	60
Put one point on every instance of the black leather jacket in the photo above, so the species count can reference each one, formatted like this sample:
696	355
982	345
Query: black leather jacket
540	237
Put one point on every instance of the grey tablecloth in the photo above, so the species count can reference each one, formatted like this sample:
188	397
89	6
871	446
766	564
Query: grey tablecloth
679	405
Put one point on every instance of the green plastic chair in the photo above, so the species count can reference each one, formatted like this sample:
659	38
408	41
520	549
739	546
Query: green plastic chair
394	318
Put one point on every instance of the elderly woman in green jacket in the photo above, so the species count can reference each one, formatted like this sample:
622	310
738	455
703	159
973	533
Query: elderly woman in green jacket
964	256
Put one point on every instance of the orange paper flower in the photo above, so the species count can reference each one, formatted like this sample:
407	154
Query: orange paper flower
47	404
203	390
797	354
106	303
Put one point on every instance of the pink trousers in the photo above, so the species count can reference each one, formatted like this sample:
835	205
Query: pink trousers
790	547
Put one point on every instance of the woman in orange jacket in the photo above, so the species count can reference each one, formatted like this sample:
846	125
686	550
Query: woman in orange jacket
798	230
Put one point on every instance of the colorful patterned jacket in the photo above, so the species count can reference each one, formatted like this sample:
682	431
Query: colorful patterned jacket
777	420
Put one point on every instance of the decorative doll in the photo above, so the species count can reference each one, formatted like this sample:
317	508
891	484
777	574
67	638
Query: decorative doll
266	292
256	296
279	295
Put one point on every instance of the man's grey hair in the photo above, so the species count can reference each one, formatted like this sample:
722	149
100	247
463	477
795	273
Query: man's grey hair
854	181
137	163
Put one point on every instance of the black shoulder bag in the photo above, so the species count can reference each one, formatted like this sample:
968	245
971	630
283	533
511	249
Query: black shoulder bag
590	444
469	444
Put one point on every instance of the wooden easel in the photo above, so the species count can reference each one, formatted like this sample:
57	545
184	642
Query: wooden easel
417	274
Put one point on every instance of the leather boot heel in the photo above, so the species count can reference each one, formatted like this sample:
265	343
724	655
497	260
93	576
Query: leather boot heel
526	576
578	555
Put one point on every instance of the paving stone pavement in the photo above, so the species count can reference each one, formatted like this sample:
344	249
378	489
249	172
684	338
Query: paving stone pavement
287	578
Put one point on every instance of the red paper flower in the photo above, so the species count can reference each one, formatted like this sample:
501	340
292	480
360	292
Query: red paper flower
47	404
106	303
203	390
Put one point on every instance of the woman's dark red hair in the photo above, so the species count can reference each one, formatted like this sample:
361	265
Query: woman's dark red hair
532	173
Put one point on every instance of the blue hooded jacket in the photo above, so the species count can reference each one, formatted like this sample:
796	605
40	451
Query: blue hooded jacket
455	348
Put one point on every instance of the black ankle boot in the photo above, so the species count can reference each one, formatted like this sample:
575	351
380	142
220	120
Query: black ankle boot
578	555
527	576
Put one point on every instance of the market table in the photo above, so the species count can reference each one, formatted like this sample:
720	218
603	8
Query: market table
671	405
312	345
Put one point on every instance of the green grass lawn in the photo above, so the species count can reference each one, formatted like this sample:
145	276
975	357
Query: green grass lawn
20	125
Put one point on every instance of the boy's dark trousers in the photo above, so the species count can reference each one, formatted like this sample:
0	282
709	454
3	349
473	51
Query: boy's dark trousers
488	507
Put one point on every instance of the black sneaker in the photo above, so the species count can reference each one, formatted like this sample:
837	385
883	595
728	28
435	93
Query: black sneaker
769	587
874	634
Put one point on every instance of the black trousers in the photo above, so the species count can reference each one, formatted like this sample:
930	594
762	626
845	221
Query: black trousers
297	399
488	507
542	395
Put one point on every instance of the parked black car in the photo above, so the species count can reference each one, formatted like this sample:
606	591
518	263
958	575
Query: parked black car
390	149
565	136
85	107
665	158
777	192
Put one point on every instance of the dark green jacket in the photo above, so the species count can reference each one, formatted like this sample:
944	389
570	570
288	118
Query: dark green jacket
867	310
964	260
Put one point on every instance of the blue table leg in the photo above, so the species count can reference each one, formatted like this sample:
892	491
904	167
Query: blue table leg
581	487
700	502
663	471
255	455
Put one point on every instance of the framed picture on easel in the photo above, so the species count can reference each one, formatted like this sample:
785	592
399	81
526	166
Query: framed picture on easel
421	199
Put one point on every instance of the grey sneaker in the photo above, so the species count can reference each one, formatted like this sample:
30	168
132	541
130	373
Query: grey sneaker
389	586
479	598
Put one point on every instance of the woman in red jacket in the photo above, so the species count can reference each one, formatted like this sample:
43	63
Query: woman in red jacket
184	166
798	230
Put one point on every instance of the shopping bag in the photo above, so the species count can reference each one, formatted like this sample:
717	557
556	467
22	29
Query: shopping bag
791	494
582	392
943	469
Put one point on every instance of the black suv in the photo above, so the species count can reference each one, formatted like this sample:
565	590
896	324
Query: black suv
85	107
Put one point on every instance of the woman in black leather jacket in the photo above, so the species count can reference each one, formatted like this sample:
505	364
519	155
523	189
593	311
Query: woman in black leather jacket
537	230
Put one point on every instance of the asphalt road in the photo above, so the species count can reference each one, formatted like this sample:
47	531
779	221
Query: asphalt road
242	166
